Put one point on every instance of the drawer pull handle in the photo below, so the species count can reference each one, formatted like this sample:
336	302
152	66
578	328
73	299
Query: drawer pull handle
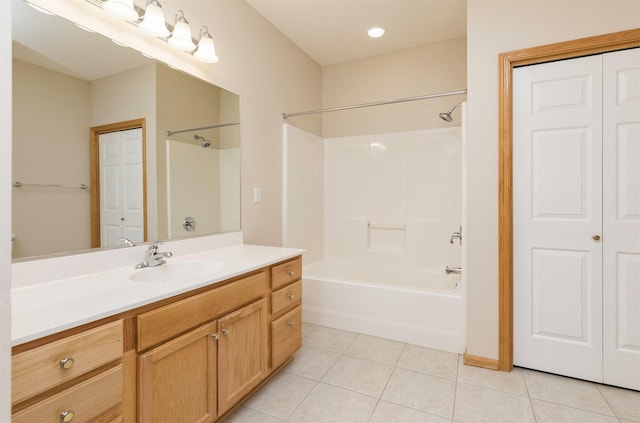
290	322
290	296
66	416
225	331
290	272
66	364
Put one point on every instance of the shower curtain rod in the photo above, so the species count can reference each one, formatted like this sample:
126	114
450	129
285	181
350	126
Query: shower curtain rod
220	125
377	103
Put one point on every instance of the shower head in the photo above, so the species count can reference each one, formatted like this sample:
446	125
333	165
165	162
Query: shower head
446	116
203	142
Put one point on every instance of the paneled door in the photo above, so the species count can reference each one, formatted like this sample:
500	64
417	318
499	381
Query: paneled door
621	218
121	186
576	211
557	217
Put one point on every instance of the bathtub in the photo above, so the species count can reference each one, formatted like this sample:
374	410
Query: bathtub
420	307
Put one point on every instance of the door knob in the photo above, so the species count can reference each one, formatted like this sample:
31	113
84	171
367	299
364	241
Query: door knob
596	237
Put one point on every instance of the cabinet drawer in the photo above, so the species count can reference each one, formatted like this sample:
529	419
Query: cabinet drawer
286	273
87	400
34	371
285	297
171	320
286	336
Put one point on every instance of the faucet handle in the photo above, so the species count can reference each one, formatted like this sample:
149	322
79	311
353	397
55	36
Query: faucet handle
153	247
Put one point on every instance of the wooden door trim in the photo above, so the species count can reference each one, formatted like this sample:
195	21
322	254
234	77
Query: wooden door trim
506	62
94	153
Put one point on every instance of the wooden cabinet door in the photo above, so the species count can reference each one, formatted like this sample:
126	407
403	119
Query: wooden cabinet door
242	353
177	380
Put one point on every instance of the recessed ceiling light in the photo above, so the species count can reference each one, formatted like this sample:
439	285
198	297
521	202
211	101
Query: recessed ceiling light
376	32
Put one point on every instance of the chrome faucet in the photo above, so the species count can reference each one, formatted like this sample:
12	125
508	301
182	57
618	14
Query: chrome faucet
154	257
455	270
127	242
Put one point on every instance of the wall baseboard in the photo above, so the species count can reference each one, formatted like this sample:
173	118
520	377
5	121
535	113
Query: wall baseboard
477	361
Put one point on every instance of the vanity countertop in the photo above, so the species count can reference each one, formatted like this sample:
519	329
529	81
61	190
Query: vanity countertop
42	309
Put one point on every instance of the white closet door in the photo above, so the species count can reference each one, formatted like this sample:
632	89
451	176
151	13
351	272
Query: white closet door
557	211
121	187
621	218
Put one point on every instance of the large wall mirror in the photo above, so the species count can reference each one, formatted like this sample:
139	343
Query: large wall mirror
109	144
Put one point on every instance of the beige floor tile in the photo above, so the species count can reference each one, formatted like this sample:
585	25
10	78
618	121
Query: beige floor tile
475	404
280	397
330	404
359	375
566	391
307	328
335	340
625	402
375	349
387	412
429	361
423	392
547	412
511	382
312	363
249	415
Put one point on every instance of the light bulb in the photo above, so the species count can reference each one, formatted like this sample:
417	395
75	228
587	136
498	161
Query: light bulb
121	8
153	20
206	51
181	35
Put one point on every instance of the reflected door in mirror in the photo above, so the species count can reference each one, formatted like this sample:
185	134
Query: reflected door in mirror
121	193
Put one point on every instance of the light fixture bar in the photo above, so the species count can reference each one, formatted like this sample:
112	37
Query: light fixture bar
207	59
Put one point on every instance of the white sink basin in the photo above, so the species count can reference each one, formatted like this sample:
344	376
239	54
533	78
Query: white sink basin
176	272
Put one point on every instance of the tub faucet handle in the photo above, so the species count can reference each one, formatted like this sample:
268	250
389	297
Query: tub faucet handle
456	235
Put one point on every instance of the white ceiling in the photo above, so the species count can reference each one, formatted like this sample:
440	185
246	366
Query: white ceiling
329	31
72	51
335	31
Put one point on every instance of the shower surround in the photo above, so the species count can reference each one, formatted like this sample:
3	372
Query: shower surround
391	203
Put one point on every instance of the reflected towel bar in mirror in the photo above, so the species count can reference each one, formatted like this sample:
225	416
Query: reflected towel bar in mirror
22	184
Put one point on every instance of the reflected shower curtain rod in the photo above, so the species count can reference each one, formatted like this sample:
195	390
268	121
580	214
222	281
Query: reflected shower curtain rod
220	125
377	103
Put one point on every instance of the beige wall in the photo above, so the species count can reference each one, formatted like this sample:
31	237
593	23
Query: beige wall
495	26
429	69
126	96
5	211
182	102
45	152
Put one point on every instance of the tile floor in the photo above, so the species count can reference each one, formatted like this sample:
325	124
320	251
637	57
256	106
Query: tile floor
345	377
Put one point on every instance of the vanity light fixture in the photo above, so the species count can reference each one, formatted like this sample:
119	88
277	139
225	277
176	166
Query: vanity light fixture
206	51
153	20
181	35
121	8
376	32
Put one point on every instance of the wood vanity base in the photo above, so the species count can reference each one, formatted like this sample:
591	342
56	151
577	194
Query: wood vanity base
194	357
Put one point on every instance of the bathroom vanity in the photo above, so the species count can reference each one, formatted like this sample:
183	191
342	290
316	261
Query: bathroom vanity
189	352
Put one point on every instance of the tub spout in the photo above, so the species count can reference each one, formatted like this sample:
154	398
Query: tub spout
455	270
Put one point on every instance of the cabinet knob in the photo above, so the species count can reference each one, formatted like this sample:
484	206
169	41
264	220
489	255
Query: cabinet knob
225	331
290	272
214	336
66	363
290	295
596	237
290	322
66	416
